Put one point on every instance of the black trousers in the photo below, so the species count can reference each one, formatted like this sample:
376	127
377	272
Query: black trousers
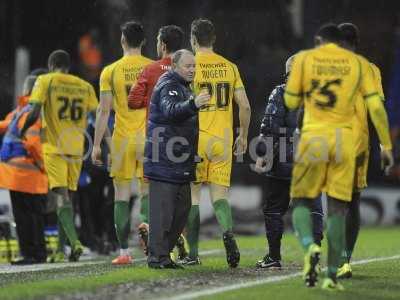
28	210
275	206
169	210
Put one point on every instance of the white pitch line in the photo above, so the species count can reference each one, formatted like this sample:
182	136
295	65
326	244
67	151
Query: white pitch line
10	269
213	291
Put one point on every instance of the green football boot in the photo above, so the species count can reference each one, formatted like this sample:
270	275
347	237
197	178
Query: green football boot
345	271
332	286
311	260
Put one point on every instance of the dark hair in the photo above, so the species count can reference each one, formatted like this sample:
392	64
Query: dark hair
350	34
59	59
172	37
329	32
133	33
204	32
39	71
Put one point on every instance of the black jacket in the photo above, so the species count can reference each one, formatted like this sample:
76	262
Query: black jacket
172	131
278	124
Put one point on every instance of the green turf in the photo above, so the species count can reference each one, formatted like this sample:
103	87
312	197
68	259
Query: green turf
373	243
373	281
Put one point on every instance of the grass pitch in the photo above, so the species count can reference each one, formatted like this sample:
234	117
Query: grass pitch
377	280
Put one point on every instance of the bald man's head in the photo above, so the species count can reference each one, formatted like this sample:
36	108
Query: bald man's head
289	63
184	64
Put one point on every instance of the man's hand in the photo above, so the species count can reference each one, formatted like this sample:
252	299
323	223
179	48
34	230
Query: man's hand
262	165
240	146
202	99
96	156
387	160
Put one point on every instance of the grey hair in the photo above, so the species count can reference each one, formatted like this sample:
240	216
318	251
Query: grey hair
176	57
289	63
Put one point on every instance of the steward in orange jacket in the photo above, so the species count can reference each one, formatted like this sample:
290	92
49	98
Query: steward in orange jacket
22	173
22	101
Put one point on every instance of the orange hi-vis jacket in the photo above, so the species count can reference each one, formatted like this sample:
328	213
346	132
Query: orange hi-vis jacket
26	173
22	101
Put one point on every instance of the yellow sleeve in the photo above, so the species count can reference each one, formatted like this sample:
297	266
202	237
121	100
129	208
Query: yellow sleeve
105	80
375	106
238	80
93	102
294	89
39	91
367	85
378	81
379	118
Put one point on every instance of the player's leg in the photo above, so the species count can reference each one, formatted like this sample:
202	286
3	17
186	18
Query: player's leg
144	200
317	215
74	171
275	206
219	175
223	213
219	152
58	255
66	217
122	190
352	229
336	241
339	188
353	214
143	183
123	169
193	226
193	223
352	224
222	208
58	173
303	226
308	178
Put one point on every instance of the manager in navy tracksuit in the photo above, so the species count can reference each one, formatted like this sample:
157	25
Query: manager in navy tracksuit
277	132
170	156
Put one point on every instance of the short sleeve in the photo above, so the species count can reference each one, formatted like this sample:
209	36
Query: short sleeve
378	81
294	86
238	80
39	91
367	85
93	102
105	80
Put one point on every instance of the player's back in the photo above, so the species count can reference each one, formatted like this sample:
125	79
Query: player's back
66	100
221	78
331	77
118	79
